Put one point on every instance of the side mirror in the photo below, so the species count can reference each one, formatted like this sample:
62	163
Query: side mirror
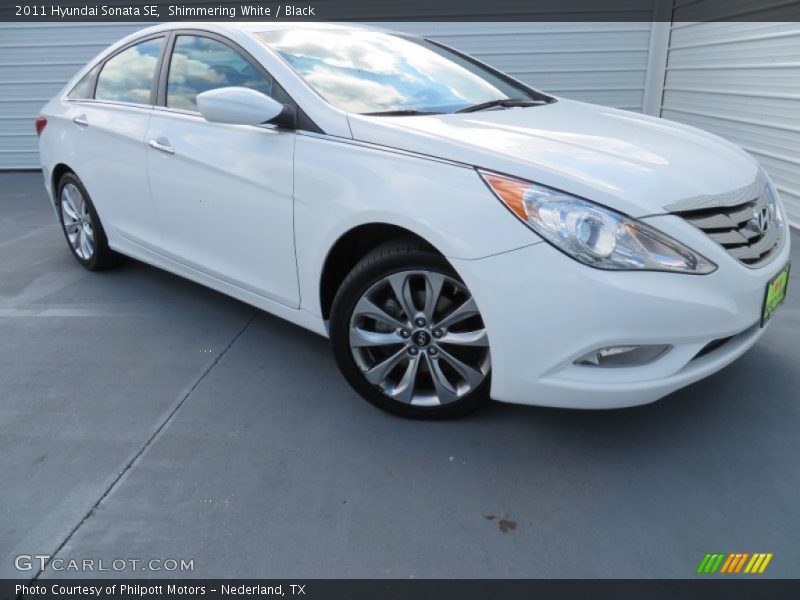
243	106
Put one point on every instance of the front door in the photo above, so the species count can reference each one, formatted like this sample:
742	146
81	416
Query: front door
222	193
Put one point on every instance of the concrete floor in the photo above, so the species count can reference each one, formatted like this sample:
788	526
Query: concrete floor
121	437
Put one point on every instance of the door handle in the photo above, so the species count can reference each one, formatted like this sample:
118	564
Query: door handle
81	120
161	147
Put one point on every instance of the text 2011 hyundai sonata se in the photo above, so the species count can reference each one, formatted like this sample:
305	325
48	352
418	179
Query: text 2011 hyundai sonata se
457	234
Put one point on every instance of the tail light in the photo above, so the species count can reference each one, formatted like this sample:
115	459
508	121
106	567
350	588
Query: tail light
41	123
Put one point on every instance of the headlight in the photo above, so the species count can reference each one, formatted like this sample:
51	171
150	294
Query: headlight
774	203
593	234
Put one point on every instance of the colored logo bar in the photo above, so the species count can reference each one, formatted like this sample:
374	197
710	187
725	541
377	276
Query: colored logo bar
734	562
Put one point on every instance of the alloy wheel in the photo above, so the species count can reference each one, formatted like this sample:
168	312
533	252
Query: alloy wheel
77	221
419	338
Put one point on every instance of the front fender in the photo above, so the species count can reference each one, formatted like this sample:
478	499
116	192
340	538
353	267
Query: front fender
340	185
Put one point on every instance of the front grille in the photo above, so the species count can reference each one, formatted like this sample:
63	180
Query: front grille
748	231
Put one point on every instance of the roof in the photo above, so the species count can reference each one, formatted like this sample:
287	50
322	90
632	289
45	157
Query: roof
248	28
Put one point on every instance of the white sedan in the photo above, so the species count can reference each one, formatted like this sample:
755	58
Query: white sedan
457	234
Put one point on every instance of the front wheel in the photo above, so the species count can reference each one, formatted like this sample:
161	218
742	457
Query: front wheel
408	336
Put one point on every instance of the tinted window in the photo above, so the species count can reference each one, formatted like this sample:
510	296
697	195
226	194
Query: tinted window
200	64
83	89
128	76
372	71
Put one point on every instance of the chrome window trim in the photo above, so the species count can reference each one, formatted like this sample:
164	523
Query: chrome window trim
180	111
108	103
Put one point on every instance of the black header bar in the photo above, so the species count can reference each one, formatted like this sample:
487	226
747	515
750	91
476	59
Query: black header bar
400	10
739	588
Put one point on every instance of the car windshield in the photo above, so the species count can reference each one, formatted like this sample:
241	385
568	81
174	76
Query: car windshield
376	72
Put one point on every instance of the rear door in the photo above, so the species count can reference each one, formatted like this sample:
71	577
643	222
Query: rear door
110	111
223	193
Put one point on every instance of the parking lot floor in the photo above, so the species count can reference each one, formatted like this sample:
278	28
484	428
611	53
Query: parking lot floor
145	417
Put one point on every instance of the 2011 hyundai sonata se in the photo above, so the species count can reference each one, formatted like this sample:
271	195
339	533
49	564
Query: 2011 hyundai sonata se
457	234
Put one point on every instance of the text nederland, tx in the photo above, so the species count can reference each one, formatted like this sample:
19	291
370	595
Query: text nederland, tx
137	590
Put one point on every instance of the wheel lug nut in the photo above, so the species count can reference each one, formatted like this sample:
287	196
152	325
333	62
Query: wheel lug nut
413	350
437	333
405	333
433	351
420	322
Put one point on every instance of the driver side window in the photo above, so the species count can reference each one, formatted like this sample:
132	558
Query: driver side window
199	64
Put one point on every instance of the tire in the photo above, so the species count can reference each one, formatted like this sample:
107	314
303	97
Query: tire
433	368
81	225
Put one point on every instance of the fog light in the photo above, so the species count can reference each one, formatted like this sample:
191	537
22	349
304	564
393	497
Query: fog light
622	356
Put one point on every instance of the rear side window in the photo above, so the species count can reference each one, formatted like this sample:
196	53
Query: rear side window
128	76
84	88
199	64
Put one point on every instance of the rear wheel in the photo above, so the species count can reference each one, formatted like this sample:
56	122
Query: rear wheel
408	335
81	225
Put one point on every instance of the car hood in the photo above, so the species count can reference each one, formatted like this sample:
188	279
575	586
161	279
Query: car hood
631	162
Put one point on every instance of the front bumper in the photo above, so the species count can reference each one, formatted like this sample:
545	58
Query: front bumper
543	310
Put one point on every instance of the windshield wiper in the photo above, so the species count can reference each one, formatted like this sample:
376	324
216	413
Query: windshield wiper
504	102
400	112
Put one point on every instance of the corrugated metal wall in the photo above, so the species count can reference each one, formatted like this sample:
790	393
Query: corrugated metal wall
36	60
741	81
604	63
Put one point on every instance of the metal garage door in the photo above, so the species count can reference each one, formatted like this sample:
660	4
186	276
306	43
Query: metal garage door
36	60
605	63
742	81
